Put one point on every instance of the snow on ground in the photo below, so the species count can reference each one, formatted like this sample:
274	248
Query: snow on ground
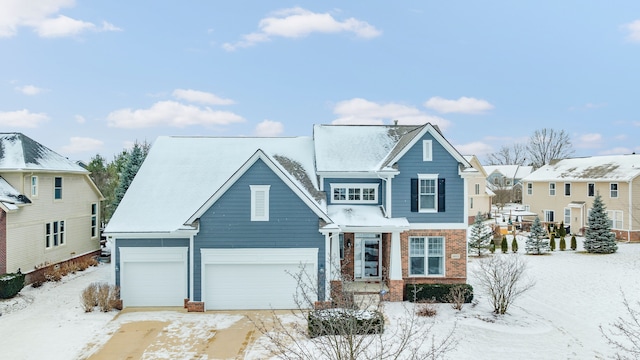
559	318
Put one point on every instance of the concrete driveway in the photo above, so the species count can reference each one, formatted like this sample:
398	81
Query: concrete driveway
181	335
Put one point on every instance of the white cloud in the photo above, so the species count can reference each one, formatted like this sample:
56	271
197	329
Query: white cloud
617	151
464	105
298	22
633	31
29	90
80	119
269	128
201	97
476	148
44	17
362	111
22	118
588	141
170	113
81	144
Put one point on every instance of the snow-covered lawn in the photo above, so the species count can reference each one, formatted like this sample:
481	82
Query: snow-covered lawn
557	319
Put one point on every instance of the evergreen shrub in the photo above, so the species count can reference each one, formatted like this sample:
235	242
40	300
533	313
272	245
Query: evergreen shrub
11	284
434	292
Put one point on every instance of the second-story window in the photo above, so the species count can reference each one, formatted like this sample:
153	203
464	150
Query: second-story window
34	186
567	189
477	189
552	189
529	189
354	193
57	188
591	189
613	190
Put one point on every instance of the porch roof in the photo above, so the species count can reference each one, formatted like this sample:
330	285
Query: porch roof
364	218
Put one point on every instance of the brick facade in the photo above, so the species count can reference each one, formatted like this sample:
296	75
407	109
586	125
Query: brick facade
3	242
622	235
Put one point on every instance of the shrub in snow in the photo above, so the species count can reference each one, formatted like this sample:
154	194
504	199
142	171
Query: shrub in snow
536	243
104	296
458	295
439	293
598	237
340	321
11	284
427	309
479	238
552	242
514	244
492	247
503	280
503	245
563	244
574	243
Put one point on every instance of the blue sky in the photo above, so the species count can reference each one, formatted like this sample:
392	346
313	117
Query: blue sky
85	77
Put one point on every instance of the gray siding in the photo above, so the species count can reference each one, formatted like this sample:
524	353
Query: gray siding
443	164
227	223
328	181
157	242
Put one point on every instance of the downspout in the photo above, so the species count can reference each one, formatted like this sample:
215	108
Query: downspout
630	210
191	266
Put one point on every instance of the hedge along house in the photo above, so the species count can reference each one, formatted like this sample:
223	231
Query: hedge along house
225	221
49	207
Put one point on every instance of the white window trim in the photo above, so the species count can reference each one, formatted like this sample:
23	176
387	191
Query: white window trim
565	189
361	186
426	257
427	150
546	218
435	201
529	189
34	187
94	220
567	221
61	188
594	189
255	189
477	189
616	216
611	190
62	240
554	189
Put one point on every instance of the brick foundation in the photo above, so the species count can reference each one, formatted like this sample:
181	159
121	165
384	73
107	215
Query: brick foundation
38	274
621	235
195	306
396	290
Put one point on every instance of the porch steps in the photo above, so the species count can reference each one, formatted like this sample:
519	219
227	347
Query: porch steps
366	295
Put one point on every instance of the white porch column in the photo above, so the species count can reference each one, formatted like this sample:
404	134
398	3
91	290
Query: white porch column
395	257
334	265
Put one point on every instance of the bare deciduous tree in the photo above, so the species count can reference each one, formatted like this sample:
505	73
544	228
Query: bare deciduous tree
503	280
548	144
625	335
515	154
406	337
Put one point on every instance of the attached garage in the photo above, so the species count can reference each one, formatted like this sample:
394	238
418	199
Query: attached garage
254	278
153	276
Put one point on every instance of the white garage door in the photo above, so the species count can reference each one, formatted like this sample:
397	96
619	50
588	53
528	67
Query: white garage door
254	278
153	276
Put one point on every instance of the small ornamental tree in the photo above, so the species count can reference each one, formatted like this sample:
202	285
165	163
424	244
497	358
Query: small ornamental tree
492	247
504	245
598	237
552	242
480	237
574	243
514	245
563	244
536	242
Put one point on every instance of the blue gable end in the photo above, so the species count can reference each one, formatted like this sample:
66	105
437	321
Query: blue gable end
446	167
227	223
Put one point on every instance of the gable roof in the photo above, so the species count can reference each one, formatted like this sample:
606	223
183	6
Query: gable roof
475	163
369	148
181	174
21	153
10	198
595	168
510	171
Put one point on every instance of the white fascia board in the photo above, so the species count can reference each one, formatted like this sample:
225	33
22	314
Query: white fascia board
259	154
349	174
438	226
430	129
180	234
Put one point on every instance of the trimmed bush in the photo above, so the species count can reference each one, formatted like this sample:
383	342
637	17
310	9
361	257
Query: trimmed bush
435	292
514	245
563	244
504	245
574	244
552	241
492	247
340	321
11	284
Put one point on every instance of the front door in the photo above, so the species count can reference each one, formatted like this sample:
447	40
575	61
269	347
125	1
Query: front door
367	256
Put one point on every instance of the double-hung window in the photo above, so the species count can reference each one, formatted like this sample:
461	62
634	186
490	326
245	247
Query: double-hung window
428	193
529	189
54	234
567	189
567	216
426	256
259	202
94	220
57	188
34	186
591	189
615	219
552	189
477	189
549	216
613	190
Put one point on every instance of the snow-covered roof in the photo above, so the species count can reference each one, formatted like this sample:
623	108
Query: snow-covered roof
509	171
352	217
10	198
21	153
595	168
357	148
180	174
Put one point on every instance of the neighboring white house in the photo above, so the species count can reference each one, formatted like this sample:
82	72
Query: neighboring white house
479	193
564	192
507	178
49	207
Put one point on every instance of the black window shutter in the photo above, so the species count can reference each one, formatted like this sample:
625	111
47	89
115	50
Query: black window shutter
441	191
414	195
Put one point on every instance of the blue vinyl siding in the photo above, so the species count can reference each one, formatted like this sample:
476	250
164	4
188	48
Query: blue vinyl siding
227	223
328	181
443	164
157	242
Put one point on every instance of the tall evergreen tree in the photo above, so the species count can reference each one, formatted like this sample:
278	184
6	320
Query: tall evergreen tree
598	237
536	243
130	168
480	237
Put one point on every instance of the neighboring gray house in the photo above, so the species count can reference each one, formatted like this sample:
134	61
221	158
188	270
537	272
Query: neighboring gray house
224	220
507	179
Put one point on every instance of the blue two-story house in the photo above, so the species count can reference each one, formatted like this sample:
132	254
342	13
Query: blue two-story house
230	222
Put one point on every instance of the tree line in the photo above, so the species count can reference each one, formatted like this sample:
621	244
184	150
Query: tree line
542	146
